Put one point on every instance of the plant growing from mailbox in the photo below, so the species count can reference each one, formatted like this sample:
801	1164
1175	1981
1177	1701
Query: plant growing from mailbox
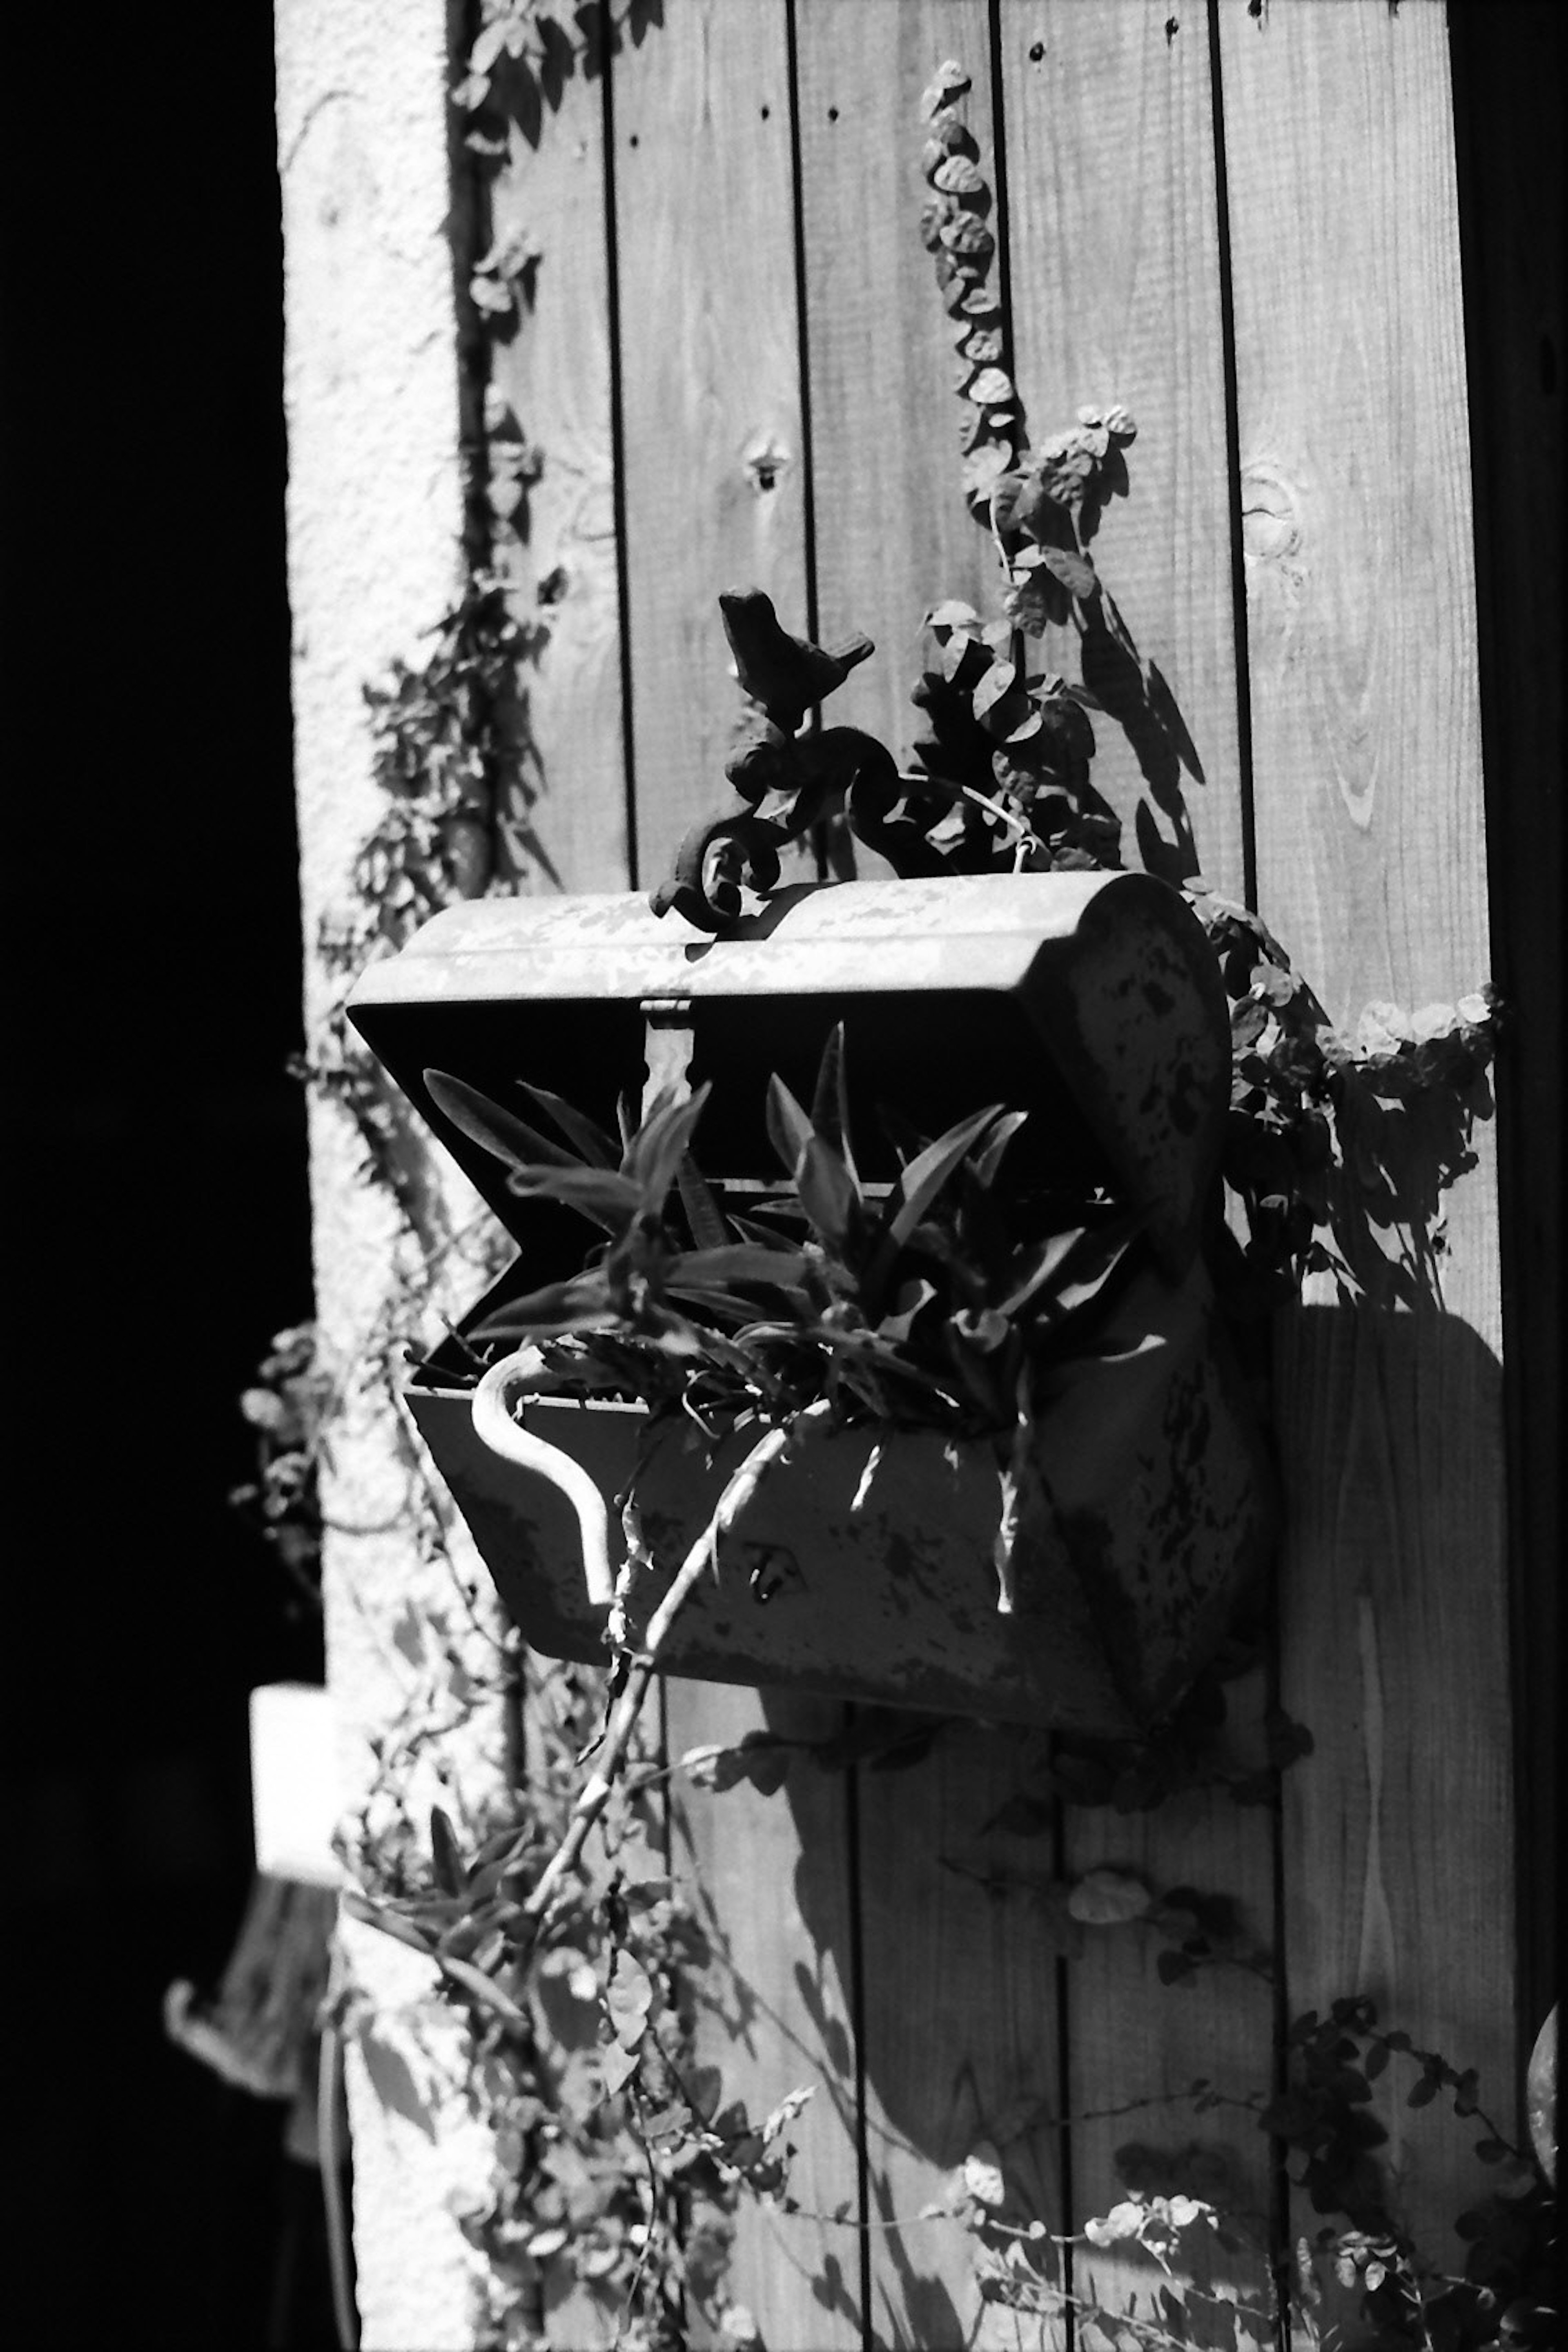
932	1302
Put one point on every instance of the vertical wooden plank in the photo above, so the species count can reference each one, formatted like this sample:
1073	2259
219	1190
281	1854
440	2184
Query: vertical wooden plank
1115	266
550	395
713	497
769	1876
1372	860
714	489
958	2004
960	2034
892	534
1113	236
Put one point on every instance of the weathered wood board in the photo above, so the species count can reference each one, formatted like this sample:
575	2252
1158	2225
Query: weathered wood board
1113	241
713	474
550	396
1371	863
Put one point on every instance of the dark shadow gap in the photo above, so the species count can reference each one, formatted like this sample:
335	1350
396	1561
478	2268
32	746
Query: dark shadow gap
803	324
1232	468
618	467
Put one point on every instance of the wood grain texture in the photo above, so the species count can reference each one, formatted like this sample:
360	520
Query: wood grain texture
960	2038
893	536
1138	2046
769	1877
1114	245
1114	240
714	463
554	377
1372	859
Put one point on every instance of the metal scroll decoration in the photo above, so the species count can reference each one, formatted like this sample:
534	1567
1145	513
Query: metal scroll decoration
949	817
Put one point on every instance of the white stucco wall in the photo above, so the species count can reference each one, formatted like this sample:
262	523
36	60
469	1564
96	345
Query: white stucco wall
374	513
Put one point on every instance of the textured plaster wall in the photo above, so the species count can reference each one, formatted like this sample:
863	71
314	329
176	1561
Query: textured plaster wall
374	537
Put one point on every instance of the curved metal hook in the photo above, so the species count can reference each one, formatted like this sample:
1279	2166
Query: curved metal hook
494	1427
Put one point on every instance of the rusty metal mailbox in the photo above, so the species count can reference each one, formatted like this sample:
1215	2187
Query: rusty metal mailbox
863	1566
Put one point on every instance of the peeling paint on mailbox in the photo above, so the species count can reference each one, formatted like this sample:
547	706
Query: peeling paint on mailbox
863	1565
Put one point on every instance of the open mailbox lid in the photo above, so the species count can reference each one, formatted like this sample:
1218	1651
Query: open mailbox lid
1091	1000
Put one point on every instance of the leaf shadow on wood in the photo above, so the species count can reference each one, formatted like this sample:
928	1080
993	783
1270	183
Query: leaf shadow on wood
526	82
921	2091
1405	1143
1135	694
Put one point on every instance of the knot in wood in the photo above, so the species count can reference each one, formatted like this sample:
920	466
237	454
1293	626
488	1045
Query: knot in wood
1271	514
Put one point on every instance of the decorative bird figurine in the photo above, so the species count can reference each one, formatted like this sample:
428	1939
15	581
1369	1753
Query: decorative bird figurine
784	675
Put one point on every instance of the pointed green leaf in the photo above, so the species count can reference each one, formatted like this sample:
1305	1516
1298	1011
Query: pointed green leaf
988	1160
580	1305
926	1174
789	1129
737	1261
495	1130
829	1193
697	1198
484	1988
590	1139
606	1198
450	1875
1080	1275
830	1104
764	1236
655	1153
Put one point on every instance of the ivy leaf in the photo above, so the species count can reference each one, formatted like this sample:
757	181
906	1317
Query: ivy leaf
955	175
968	235
932	218
628	1995
948	82
980	468
990	385
998	680
983	2177
616	2067
952	615
1108	1898
1076	573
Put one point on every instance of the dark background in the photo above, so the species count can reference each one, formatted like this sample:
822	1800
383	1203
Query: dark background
157	1223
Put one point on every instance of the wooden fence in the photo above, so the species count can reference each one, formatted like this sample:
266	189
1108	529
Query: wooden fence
1243	225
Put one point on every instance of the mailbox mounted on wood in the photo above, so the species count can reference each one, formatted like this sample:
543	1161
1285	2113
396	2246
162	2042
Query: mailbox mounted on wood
865	1564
